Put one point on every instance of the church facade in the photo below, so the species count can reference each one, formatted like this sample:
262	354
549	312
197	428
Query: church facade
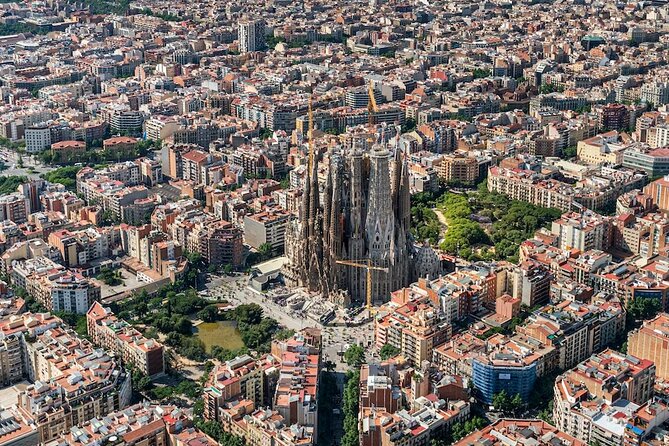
363	217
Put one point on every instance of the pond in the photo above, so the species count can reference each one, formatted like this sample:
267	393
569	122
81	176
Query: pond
222	333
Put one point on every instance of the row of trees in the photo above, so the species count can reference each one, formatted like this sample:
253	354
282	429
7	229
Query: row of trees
9	184
351	408
9	28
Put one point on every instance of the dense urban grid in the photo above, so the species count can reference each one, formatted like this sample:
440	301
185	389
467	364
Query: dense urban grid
355	223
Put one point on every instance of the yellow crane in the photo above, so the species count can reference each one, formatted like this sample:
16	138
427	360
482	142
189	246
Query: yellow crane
372	107
369	267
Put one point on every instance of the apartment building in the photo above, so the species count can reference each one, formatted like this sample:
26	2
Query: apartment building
645	236
656	92
507	431
113	195
251	35
658	191
597	191
55	287
379	387
73	382
116	335
602	149
263	426
583	231
576	330
457	168
462	292
13	333
141	424
456	356
240	378
297	385
431	418
503	367
651	342
266	227
14	207
531	283
614	117
413	323
594	400
221	243
67	291
78	248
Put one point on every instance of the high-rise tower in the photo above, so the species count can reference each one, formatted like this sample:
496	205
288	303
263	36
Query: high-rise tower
251	35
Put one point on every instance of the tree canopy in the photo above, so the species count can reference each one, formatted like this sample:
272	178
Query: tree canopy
355	356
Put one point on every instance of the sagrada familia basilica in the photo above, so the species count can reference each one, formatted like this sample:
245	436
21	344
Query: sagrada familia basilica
359	218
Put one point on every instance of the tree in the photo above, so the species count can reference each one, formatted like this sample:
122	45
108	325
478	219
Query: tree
208	313
67	176
516	403
547	414
350	407
355	356
248	314
640	309
508	405
140	382
215	430
480	73
284	334
110	277
502	402
461	430
329	366
409	125
388	351
266	251
10	183
569	153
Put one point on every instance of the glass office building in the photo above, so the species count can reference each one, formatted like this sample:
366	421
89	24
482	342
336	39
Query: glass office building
503	372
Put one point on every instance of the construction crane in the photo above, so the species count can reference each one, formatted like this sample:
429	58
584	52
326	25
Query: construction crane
368	266
372	107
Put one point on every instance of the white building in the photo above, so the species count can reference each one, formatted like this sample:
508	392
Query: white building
38	138
251	35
